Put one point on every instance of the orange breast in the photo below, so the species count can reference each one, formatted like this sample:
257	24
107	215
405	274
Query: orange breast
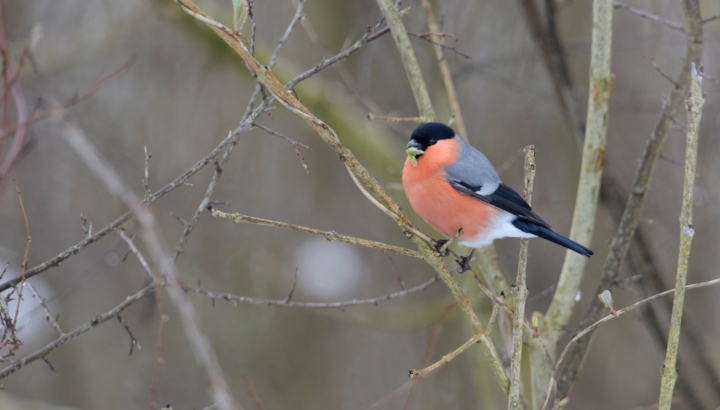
437	202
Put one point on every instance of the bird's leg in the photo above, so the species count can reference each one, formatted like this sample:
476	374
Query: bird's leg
464	261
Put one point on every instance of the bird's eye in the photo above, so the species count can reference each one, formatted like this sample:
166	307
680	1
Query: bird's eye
432	142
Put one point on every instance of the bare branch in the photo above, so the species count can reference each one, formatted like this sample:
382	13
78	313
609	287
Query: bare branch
412	68
416	120
519	290
652	17
297	17
43	352
416	374
694	103
619	313
445	67
48	315
330	235
70	101
311	305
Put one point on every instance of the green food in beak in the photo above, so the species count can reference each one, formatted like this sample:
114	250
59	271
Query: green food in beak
413	153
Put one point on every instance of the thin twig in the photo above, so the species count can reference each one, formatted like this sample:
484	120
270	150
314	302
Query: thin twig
329	235
694	103
295	144
48	315
70	101
417	374
652	17
519	291
133	340
416	120
311	305
438	43
611	316
445	67
43	352
259	405
297	17
23	266
396	269
147	171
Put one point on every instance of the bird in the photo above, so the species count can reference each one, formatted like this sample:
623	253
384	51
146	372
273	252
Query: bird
452	185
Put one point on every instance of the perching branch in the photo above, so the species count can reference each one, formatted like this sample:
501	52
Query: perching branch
329	235
641	184
519	290
694	103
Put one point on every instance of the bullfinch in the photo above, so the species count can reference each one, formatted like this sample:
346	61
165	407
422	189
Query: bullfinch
451	185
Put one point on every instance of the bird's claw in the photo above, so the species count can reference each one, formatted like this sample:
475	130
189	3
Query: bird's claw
439	244
464	262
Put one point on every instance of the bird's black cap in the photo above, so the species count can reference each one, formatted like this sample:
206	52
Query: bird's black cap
430	133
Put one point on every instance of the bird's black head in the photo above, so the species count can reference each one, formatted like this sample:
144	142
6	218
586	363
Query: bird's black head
430	133
425	136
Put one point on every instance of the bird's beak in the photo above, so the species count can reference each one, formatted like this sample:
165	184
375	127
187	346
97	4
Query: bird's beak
414	150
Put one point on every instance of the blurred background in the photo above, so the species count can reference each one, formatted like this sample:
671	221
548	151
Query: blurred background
186	90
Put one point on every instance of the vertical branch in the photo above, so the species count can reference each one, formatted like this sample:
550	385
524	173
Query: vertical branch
433	27
694	104
25	255
519	290
486	255
407	55
641	184
591	169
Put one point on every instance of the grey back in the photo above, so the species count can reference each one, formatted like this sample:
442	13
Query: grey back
473	169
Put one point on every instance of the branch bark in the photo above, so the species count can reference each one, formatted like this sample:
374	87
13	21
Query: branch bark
694	103
583	223
519	291
412	68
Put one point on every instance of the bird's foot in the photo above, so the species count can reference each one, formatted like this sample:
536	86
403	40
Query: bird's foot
464	261
439	244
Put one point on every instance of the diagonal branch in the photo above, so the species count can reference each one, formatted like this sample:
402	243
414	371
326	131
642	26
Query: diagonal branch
331	236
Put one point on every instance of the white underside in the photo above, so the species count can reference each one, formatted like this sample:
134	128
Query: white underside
502	227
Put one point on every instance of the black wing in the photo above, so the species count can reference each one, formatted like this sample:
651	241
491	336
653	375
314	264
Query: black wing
504	198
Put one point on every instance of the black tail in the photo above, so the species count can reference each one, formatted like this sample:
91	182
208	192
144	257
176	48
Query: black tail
547	233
